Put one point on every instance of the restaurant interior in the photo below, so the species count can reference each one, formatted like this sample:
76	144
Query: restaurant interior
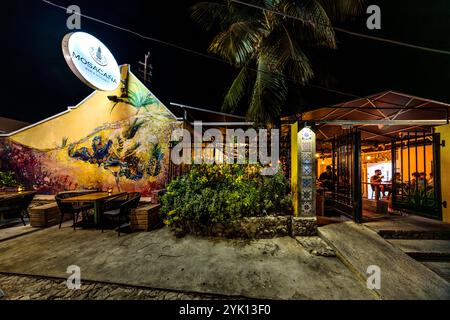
378	156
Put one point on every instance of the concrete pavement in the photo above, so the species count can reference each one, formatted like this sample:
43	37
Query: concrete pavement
273	268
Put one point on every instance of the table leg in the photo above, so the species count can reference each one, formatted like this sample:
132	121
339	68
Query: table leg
97	206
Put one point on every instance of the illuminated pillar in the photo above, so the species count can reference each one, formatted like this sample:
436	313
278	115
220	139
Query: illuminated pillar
306	146
444	132
294	168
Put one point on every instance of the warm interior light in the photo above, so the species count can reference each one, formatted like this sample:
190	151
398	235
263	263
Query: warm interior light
323	161
317	155
368	157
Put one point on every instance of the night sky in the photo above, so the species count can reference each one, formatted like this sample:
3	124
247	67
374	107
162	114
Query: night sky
37	83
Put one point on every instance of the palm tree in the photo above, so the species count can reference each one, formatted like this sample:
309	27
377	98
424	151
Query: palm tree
269	48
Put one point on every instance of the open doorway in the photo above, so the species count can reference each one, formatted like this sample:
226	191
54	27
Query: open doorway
368	181
390	131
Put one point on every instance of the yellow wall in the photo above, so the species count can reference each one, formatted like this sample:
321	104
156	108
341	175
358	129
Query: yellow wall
322	165
77	123
445	170
412	159
294	167
96	145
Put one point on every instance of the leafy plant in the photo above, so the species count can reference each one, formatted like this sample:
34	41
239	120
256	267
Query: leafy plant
269	47
211	194
64	141
8	179
420	198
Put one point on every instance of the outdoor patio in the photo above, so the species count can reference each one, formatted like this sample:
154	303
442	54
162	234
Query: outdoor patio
277	268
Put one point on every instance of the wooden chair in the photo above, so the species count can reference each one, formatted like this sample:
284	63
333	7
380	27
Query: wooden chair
123	211
17	205
71	208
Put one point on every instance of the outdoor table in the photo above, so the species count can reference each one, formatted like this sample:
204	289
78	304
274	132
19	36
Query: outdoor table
97	198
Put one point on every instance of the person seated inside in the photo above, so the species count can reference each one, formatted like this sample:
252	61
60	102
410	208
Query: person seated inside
326	178
430	182
398	183
415	178
422	180
375	183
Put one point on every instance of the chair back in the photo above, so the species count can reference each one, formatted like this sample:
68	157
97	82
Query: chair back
64	207
11	205
16	204
26	200
131	203
67	207
133	195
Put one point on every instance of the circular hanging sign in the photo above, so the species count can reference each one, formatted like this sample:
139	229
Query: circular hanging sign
91	61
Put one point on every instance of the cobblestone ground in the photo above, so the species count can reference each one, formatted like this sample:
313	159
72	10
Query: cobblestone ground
31	288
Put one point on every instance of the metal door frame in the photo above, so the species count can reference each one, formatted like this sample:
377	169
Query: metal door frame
412	202
346	162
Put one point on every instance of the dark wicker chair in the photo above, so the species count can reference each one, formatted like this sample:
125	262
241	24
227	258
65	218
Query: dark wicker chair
70	208
122	211
17	205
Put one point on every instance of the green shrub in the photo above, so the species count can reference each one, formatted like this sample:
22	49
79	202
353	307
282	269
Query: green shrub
8	179
211	194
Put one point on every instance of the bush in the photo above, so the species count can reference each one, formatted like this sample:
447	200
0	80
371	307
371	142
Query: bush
8	179
211	194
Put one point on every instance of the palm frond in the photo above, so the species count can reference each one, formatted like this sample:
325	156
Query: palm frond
236	91
312	26
209	14
289	57
140	98
238	42
342	10
269	92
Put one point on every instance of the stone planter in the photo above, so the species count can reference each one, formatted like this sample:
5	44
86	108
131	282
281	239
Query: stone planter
265	227
304	226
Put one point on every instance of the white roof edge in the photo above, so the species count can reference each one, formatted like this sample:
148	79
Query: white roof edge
419	98
49	118
75	107
374	96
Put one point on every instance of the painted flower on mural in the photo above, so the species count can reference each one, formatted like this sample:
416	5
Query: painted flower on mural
26	163
156	157
121	155
119	158
99	153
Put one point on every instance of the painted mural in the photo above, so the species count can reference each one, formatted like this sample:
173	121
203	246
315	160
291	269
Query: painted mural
121	145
